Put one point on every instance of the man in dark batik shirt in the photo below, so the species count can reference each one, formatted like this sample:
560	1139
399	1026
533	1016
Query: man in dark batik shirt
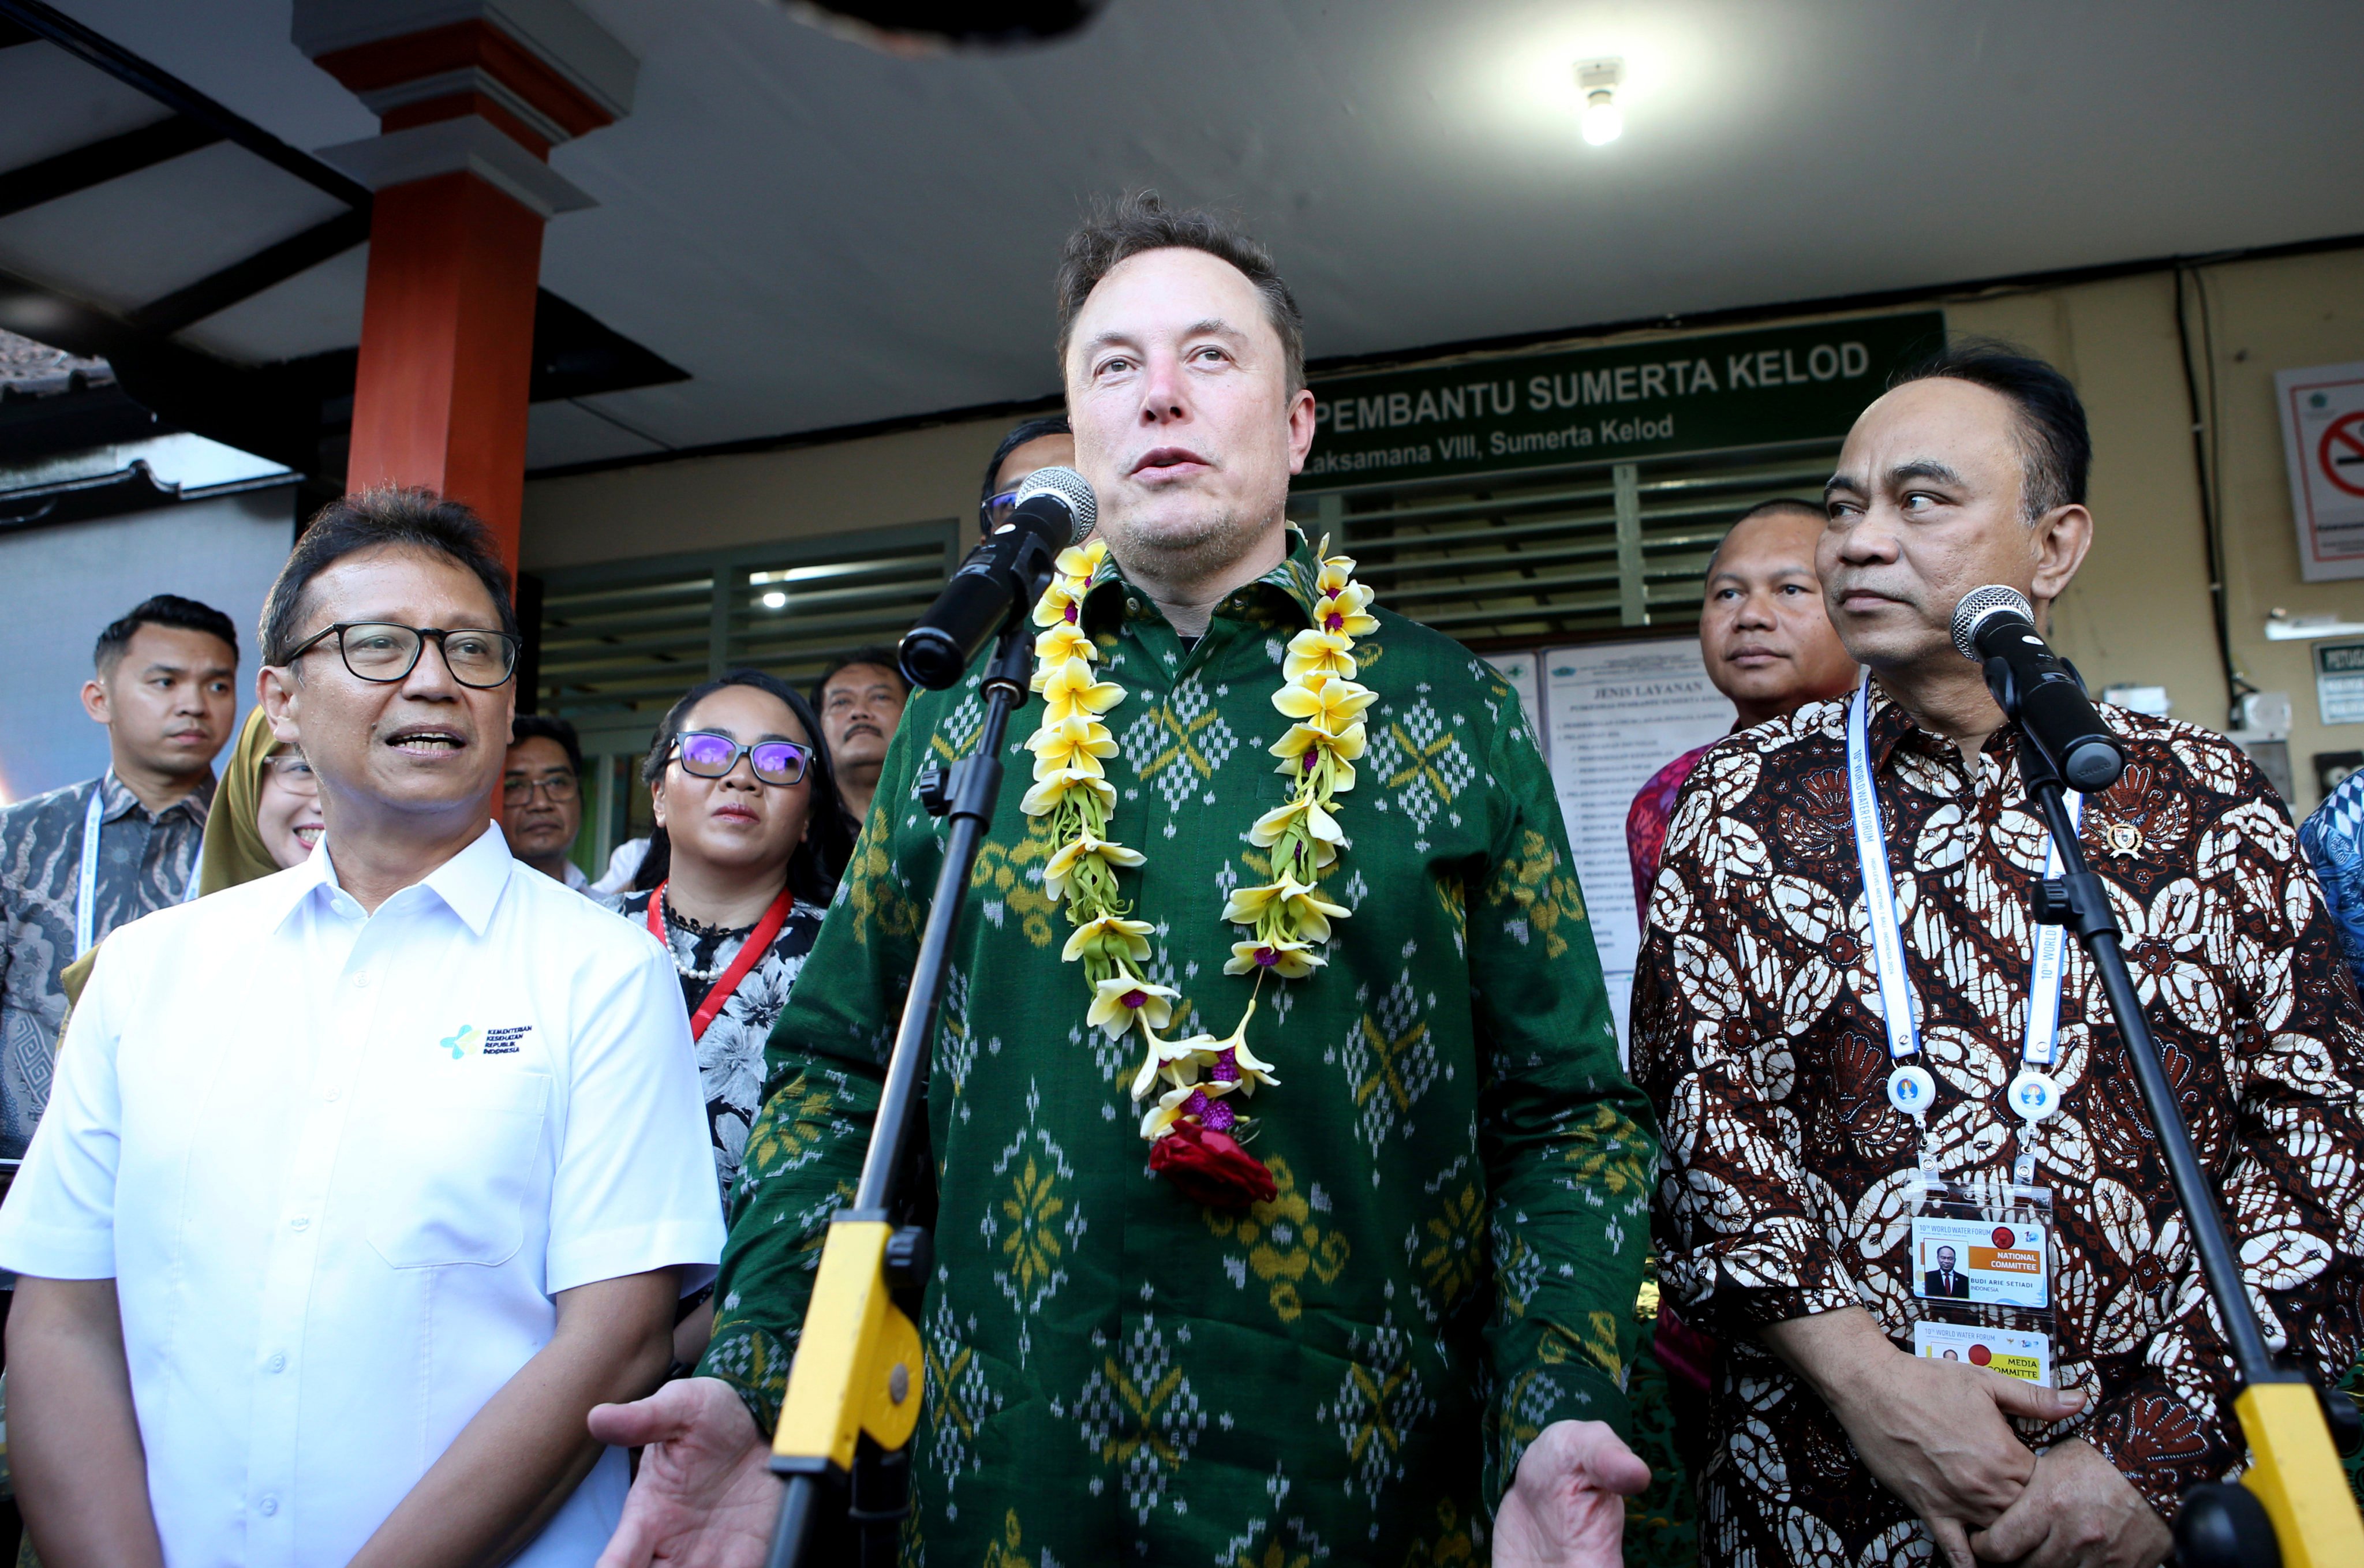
166	686
1784	1210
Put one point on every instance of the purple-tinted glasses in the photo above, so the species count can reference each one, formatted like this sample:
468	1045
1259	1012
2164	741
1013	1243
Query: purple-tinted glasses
706	755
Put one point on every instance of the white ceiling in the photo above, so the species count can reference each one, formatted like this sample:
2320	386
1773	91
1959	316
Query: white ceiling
824	236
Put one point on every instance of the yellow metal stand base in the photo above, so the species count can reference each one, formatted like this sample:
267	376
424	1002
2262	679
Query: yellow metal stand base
2295	1472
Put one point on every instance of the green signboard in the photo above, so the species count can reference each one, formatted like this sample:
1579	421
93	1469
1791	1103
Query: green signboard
1615	404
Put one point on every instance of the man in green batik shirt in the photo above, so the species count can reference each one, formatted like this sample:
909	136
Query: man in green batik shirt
1415	1351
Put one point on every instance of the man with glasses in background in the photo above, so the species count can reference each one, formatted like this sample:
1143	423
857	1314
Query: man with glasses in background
541	796
361	1186
1046	443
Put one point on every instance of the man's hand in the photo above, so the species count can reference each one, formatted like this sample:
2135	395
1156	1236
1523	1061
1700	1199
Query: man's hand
706	1496
2077	1512
1566	1508
1930	1431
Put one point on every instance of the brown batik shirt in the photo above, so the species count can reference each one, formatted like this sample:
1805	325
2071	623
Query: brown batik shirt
1784	1188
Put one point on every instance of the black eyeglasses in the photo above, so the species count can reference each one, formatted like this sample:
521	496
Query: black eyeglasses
704	754
387	651
996	509
518	789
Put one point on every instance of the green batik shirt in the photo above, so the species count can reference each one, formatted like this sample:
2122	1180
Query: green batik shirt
1115	1373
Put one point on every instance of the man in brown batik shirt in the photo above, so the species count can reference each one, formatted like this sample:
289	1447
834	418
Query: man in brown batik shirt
1785	1199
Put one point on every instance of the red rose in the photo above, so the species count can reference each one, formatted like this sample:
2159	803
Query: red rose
1210	1168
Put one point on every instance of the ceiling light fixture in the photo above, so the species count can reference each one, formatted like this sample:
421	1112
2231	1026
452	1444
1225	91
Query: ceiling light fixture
775	600
1603	120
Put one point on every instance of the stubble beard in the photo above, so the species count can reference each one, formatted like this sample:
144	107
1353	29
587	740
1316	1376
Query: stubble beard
1189	550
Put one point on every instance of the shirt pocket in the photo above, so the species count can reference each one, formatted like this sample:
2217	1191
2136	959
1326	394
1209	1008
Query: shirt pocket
458	1162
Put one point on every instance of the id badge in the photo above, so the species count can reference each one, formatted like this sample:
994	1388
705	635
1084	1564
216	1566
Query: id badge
2013	1352
2003	1261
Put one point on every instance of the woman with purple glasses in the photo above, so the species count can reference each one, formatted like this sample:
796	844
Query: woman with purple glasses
750	838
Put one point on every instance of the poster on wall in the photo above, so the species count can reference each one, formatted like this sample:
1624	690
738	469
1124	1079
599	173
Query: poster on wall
1616	713
2339	682
2323	441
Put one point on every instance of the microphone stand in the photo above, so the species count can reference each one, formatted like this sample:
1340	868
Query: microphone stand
855	1387
2293	1508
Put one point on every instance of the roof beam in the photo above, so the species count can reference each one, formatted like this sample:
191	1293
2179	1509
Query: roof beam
245	279
106	55
99	161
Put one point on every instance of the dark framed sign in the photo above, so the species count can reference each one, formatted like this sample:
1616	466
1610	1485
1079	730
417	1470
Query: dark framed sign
1754	387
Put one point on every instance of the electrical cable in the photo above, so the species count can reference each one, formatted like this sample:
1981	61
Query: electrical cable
2206	455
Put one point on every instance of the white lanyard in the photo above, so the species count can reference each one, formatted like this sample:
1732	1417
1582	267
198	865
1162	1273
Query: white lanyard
86	887
2034	1095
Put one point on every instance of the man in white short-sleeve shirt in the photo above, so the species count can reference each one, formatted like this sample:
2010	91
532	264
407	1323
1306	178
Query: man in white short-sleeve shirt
389	1167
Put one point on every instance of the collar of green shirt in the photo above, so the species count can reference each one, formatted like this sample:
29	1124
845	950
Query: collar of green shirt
1290	583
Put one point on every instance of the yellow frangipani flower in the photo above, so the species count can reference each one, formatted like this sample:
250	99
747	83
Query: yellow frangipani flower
1167	1111
1290	960
1056	646
1347	610
1062	602
1061	868
1253	1070
1118	1002
1179	1059
1072	688
1310	913
1325	702
1304	810
1247	906
1045	797
1296	750
1316	651
1112	936
1077	741
1082	562
1337	571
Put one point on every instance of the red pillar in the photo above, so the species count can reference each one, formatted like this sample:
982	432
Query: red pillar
447	346
469	108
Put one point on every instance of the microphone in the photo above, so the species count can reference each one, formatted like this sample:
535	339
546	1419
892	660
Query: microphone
1995	627
1055	508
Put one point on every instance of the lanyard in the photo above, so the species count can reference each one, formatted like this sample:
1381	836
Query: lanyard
751	953
2034	1095
86	880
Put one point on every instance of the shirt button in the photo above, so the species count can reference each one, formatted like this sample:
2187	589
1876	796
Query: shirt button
269	1506
277	1363
301	1222
1133	606
362	980
333	1095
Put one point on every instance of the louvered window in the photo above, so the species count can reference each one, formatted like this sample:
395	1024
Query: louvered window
619	642
1534	559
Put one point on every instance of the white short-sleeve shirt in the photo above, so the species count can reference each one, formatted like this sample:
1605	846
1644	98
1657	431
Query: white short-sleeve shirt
339	1165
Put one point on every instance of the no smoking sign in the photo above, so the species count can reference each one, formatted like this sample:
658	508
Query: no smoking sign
2323	439
2340	453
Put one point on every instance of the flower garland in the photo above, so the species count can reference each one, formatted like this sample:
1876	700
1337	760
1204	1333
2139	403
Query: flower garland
1287	920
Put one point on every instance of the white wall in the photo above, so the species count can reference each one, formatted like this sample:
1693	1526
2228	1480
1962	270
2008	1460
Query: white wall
64	583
